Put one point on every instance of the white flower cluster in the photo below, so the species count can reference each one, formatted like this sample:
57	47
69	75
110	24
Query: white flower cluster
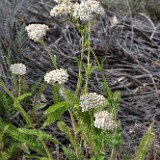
59	76
18	68
36	31
91	100
87	10
84	11
62	9
104	120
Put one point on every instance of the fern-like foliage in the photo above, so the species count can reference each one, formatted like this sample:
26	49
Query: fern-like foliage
65	129
70	154
54	112
145	143
40	135
23	96
17	100
19	108
8	146
6	106
70	95
29	140
115	102
10	151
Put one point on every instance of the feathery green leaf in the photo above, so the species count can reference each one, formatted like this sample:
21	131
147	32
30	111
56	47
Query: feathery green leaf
71	155
54	112
32	143
40	134
65	129
145	143
23	96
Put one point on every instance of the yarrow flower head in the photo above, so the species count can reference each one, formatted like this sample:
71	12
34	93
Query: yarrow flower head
87	10
84	11
59	76
18	68
104	120
36	31
91	100
62	9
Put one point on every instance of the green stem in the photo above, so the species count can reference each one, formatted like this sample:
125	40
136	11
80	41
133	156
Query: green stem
88	58
113	152
74	127
49	53
103	74
103	142
23	112
80	66
70	112
19	84
78	151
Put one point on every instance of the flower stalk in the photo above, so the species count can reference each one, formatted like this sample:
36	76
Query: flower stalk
80	76
88	69
19	84
53	59
109	92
